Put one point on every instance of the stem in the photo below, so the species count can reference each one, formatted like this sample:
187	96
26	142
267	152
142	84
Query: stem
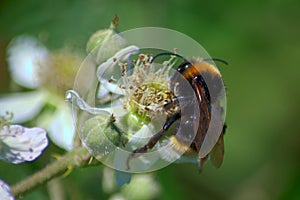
76	158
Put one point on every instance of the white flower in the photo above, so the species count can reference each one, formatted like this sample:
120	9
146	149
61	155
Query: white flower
5	192
24	106
26	56
19	144
61	127
139	91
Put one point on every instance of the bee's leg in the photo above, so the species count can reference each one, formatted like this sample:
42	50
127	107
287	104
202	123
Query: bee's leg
170	104
201	162
153	140
179	100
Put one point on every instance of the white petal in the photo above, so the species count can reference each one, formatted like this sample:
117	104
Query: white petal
19	144
141	136
5	192
25	54
62	127
121	55
24	105
111	87
102	91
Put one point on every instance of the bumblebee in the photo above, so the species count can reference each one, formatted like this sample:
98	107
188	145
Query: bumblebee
207	85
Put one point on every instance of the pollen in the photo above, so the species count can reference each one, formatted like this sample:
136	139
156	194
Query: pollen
147	88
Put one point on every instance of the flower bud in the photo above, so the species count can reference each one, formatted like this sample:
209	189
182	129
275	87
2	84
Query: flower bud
105	43
101	136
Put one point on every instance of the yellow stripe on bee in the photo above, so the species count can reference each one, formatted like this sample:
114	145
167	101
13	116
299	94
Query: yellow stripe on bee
180	147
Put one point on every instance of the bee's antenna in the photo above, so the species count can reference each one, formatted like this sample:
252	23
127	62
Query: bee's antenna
216	59
166	54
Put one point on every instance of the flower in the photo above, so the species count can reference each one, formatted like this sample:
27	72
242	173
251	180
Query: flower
24	56
19	144
51	74
47	74
5	192
136	111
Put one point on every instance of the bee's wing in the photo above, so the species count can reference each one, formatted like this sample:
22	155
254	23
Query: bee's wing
217	153
210	124
204	117
211	142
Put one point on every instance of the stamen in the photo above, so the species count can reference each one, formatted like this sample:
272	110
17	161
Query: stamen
147	89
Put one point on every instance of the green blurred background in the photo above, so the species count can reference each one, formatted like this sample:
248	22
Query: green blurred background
259	39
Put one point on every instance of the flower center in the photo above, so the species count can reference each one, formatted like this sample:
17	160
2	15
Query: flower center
147	88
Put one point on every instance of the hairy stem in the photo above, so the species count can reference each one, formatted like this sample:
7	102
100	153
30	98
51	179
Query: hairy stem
76	158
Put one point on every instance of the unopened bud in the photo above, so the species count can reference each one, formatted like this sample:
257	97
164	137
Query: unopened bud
101	136
105	43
